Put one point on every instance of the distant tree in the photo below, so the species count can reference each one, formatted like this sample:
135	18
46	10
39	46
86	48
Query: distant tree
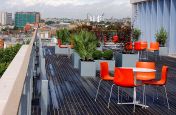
49	22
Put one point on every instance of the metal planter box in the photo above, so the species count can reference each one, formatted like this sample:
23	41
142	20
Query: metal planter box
126	60
75	59
87	69
111	64
163	51
63	51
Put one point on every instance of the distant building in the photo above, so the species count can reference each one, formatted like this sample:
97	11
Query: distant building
22	18
5	18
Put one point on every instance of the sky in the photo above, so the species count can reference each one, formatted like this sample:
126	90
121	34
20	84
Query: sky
77	9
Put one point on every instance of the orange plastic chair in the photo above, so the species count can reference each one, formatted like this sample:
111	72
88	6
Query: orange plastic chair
137	46
145	76
115	38
161	82
123	77
142	76
143	45
104	75
154	46
60	44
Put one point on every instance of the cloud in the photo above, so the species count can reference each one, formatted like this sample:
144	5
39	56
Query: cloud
70	8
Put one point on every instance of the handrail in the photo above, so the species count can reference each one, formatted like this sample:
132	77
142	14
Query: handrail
12	81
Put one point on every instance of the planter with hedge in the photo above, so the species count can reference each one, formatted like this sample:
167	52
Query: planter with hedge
85	43
161	37
107	56
64	41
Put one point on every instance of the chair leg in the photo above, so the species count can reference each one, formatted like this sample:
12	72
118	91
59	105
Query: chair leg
144	95
98	89
121	96
110	95
157	93
166	97
134	106
118	94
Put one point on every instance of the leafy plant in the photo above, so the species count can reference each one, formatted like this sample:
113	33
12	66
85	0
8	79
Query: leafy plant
136	34
97	54
64	35
85	44
108	54
161	36
6	56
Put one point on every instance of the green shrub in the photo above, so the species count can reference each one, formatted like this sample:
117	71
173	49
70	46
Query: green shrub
6	56
85	43
64	35
161	36
108	54
97	55
136	34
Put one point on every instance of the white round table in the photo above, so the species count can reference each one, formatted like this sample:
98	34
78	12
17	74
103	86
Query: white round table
134	94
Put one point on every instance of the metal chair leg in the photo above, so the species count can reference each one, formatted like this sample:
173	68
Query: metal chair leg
98	89
110	95
166	97
118	94
134	106
144	95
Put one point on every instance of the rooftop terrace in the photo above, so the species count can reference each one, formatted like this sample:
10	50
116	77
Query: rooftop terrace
72	94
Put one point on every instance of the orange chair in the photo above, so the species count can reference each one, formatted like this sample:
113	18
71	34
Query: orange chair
123	77
161	82
154	46
104	75
115	39
137	46
60	44
145	76
143	45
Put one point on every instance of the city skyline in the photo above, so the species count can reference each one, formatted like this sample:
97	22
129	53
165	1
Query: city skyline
70	8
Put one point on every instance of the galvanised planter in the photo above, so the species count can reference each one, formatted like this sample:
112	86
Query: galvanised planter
87	69
163	51
126	60
63	51
75	58
111	64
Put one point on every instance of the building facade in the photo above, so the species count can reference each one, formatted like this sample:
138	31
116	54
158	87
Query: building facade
5	18
150	15
22	18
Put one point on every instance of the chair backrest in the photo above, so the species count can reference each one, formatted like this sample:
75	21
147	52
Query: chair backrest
143	75
143	45
154	45
124	77
115	38
104	69
164	72
59	42
137	46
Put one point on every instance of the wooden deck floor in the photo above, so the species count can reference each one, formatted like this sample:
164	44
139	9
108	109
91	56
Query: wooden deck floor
73	95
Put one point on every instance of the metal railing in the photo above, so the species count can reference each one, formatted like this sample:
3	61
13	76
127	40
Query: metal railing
16	82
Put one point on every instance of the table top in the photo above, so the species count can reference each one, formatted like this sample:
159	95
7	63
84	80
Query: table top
140	69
